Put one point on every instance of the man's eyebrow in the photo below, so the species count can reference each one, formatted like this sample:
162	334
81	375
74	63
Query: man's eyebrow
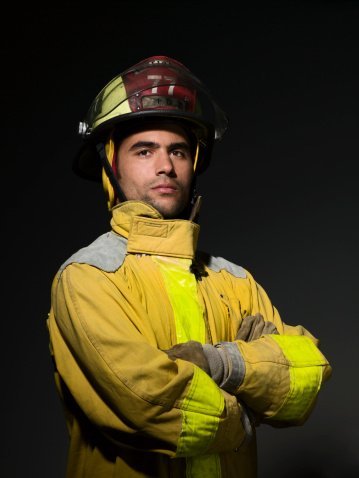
180	145
144	144
153	144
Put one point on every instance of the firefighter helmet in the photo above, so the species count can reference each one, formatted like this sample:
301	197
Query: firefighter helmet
157	88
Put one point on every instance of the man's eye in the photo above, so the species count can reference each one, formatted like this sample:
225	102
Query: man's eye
143	152
179	153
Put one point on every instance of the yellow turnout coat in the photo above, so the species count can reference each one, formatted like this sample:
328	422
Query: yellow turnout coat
131	411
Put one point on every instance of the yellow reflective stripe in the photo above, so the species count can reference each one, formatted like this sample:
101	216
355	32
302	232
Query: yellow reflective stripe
203	466
201	410
200	416
306	370
181	287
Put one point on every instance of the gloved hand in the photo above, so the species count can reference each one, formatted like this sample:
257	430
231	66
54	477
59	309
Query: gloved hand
213	360
191	351
223	362
253	326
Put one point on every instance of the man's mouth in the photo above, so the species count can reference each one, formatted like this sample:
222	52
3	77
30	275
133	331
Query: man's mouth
165	188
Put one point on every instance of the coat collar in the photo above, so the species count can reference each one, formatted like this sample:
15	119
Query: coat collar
148	233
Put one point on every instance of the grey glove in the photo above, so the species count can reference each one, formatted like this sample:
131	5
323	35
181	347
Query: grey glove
223	361
191	351
208	357
214	360
253	327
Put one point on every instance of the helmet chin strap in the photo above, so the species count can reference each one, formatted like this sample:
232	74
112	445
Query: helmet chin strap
196	200
110	176
191	211
196	205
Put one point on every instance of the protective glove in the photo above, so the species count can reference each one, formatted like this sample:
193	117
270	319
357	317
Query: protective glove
191	351
253	327
223	361
214	360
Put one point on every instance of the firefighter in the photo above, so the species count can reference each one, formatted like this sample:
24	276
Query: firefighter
167	358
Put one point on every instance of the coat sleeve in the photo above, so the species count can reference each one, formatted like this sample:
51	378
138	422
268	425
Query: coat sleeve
279	376
127	389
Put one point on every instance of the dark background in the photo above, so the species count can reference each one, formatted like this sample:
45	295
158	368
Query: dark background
281	197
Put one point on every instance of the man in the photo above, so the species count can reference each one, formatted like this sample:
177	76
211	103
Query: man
166	358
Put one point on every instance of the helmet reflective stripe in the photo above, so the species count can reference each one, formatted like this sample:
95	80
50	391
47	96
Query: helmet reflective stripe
114	105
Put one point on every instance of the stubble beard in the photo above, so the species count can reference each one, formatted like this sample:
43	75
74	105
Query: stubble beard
169	210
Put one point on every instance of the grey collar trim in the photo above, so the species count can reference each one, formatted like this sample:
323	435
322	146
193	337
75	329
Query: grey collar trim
107	253
217	264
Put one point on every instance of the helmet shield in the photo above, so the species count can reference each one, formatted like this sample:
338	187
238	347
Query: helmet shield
156	87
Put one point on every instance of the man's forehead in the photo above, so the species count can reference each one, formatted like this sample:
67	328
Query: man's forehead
173	134
155	128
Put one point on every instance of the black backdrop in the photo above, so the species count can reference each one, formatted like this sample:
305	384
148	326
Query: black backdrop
281	197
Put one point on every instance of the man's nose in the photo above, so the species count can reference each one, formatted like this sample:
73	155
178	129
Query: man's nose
165	164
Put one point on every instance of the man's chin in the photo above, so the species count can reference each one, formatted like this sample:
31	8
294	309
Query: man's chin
168	210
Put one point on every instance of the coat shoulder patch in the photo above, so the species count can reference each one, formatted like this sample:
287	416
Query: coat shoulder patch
219	263
107	253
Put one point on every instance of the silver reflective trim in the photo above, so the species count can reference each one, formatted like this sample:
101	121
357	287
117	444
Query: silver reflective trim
217	264
83	127
107	253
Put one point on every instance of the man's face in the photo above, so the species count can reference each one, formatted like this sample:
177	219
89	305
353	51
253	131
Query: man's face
156	166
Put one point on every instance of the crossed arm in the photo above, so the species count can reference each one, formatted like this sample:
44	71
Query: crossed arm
251	362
